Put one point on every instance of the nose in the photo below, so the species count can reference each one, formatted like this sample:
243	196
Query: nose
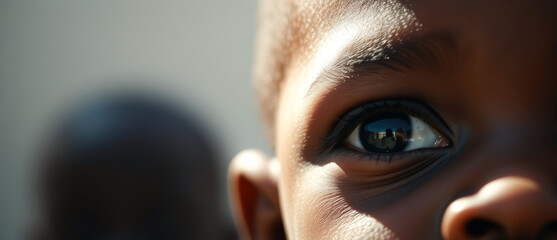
506	208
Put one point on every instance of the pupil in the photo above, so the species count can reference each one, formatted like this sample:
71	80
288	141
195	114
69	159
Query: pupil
388	132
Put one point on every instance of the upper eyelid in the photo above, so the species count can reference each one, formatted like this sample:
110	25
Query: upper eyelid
353	117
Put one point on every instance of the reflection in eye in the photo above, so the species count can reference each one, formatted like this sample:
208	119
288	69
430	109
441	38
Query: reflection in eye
394	132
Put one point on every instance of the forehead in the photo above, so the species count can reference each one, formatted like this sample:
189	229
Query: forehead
324	31
312	22
321	32
310	18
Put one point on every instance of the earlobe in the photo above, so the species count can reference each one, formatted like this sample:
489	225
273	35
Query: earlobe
254	196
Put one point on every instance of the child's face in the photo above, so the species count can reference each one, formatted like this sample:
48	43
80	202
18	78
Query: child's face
421	120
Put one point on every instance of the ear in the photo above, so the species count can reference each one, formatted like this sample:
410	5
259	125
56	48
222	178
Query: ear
254	196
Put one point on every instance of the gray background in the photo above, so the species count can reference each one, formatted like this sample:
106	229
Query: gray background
53	53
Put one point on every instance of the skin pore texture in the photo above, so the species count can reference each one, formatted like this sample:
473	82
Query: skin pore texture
480	73
318	190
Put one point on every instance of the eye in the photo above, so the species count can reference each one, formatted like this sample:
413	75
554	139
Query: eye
394	132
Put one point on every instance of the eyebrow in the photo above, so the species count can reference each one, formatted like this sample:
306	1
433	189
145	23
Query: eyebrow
430	51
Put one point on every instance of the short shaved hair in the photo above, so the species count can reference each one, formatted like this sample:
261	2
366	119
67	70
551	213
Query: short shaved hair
286	28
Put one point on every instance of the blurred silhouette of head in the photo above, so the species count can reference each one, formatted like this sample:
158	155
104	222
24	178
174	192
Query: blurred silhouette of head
130	167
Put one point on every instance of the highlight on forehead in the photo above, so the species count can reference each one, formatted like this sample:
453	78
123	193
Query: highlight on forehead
285	29
293	30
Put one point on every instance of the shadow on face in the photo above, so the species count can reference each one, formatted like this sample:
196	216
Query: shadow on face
421	120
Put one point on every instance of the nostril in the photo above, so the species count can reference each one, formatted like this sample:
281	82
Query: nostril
480	227
549	231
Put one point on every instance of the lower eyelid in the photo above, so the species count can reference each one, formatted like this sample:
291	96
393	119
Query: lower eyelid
373	163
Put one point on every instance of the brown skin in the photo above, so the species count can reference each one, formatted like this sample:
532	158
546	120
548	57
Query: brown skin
489	77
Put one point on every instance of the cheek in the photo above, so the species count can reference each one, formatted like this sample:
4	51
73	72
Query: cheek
322	212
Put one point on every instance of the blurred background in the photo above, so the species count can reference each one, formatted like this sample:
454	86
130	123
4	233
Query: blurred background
56	54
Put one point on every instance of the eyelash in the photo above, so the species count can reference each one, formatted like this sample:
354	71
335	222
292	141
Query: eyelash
351	120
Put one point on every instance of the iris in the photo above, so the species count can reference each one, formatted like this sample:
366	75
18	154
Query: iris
394	132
